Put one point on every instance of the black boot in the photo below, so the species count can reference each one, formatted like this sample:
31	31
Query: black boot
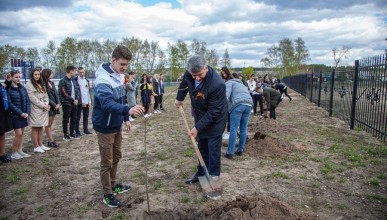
193	179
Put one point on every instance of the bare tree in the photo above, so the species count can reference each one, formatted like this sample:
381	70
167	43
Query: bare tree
339	54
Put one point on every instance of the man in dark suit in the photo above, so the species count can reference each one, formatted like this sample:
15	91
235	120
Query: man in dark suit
207	92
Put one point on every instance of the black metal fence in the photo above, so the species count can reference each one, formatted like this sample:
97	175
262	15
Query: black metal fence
357	96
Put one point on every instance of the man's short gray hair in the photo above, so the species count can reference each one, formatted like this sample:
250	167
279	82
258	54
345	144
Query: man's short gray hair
196	63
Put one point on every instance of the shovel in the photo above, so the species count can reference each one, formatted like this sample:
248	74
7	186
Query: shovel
212	187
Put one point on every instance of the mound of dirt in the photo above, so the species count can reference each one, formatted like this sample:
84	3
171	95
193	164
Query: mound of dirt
263	145
254	207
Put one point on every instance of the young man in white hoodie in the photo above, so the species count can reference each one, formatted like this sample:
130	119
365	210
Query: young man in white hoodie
109	112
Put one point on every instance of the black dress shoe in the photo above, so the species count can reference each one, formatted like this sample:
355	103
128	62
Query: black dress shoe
192	180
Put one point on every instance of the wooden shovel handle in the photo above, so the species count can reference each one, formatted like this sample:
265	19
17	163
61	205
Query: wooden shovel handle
198	154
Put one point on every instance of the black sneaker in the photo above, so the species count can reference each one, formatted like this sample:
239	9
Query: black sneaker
74	136
66	138
5	159
119	188
87	132
78	134
228	156
238	153
111	201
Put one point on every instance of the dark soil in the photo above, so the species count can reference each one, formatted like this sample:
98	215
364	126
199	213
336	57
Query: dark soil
243	207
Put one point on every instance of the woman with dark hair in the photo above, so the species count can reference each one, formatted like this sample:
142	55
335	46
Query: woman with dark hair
5	123
39	110
146	92
20	110
53	98
226	75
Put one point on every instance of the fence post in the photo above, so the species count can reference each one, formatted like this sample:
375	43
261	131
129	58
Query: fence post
311	88
319	90
331	95
354	94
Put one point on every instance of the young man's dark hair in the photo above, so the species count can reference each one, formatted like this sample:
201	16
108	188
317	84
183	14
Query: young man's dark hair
69	68
122	52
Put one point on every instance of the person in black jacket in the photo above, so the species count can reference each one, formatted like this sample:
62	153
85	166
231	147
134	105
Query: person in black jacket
69	98
282	89
53	101
207	92
5	123
20	106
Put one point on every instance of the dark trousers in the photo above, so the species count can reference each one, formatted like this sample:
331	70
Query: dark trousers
228	121
161	101
286	93
210	148
69	114
85	112
258	98
272	112
157	103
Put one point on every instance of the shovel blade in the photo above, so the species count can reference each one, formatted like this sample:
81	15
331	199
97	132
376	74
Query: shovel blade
212	187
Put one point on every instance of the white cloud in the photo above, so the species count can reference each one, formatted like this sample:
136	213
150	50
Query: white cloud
246	28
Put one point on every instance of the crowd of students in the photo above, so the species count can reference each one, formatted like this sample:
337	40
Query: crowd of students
37	103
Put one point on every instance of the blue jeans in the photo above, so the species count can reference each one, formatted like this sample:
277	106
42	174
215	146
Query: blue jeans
238	117
210	148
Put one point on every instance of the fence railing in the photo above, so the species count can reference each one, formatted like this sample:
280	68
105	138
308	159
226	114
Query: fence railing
357	96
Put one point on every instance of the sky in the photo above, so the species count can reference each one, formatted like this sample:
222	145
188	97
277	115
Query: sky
246	28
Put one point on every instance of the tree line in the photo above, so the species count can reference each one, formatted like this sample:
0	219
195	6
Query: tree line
286	58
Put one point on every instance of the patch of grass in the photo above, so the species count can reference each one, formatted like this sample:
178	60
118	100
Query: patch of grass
381	176
40	209
142	153
374	182
376	151
157	186
303	177
375	161
163	157
189	152
180	184
280	175
22	190
185	199
358	129
12	178
46	161
83	207
334	148
315	184
118	216
376	197
341	206
137	174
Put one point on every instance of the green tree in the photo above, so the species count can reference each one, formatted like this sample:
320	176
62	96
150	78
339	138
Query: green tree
301	53
49	54
247	71
226	61
212	58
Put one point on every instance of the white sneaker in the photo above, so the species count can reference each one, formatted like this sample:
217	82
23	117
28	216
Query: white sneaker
159	111
156	112
16	156
21	153
45	148
38	150
131	119
146	115
225	136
